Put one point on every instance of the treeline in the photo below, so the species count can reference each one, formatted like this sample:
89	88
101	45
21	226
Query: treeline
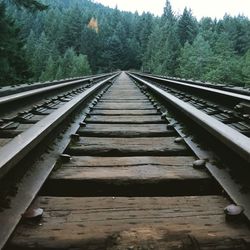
77	37
209	50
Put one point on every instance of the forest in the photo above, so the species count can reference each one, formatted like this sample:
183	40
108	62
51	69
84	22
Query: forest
46	40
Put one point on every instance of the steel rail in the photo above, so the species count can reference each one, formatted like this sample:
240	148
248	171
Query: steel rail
33	92
236	141
225	93
21	145
228	88
12	89
221	86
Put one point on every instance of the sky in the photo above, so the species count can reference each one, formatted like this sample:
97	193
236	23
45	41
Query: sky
200	8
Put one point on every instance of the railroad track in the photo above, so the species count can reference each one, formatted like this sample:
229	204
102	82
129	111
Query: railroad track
24	106
124	170
15	89
230	106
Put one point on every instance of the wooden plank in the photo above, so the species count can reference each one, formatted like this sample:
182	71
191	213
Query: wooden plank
117	90
128	146
125	130
142	119
123	98
138	172
129	176
124	101
130	223
124	112
90	161
122	94
124	106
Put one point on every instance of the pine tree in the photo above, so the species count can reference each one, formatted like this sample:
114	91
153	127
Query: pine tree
145	26
30	45
171	51
13	67
133	58
187	27
43	50
122	48
54	28
90	46
246	68
68	61
195	59
151	58
30	4
81	66
112	53
238	29
59	73
73	28
207	28
50	71
168	15
227	65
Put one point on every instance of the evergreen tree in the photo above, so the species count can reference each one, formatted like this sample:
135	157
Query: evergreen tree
73	27
195	59
43	50
54	28
227	65
68	61
133	58
238	29
59	73
166	47
90	46
168	15
151	58
112	53
30	4
187	27
30	45
145	25
122	49
81	66
13	67
50	70
207	28
246	68
171	52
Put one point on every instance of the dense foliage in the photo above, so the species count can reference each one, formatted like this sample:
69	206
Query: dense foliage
13	66
208	50
30	4
77	37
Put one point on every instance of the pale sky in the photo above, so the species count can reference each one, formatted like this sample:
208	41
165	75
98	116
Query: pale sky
200	8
